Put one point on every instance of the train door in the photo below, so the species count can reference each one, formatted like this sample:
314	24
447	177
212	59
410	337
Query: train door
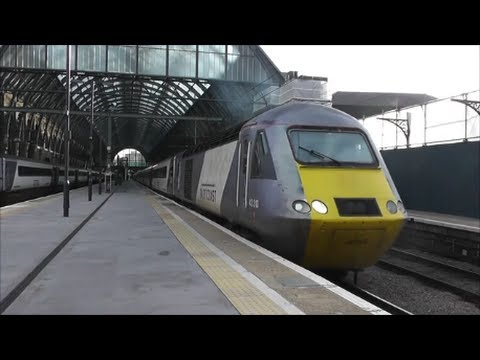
174	176
1	174
179	174
170	176
76	179
243	176
55	174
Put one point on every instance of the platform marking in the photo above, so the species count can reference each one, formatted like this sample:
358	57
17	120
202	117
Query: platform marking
361	303
247	293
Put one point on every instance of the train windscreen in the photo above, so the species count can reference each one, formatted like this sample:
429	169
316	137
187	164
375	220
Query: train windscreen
331	147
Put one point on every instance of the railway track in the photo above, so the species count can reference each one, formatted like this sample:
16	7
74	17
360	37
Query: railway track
474	275
438	274
433	272
371	298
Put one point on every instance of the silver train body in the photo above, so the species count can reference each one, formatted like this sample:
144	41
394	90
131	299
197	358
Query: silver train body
262	179
18	174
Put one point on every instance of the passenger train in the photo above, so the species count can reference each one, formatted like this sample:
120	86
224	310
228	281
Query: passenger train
306	178
21	175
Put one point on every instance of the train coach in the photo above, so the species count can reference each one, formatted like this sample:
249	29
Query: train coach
306	178
19	175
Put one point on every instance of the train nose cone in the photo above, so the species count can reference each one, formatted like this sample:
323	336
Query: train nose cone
358	228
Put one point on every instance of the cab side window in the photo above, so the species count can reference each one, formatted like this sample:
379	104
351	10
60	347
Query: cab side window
262	165
244	156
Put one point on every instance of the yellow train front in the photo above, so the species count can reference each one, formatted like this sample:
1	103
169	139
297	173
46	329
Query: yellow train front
326	199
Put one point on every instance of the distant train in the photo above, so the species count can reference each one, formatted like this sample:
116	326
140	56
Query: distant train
306	178
20	175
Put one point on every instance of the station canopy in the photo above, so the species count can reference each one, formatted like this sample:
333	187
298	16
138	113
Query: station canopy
366	104
160	98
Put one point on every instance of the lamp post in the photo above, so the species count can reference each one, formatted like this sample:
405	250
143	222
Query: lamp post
108	174
91	147
67	135
100	158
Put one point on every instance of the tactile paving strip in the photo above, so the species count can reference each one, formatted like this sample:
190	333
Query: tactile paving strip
243	295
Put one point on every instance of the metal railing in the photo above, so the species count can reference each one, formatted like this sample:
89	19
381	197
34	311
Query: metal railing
447	120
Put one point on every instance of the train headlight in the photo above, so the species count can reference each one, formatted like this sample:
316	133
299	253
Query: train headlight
391	207
319	207
400	206
301	206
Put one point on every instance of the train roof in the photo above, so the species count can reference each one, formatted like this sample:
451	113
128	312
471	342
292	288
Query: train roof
305	114
294	112
40	162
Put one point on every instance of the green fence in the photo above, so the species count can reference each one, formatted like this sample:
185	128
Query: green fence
439	178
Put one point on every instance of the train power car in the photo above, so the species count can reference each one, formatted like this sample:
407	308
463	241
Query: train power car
306	178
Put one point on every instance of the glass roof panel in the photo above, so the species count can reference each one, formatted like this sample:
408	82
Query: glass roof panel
131	81
31	56
183	47
212	48
182	63
92	57
152	60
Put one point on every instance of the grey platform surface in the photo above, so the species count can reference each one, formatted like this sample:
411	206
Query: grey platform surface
29	231
124	260
457	222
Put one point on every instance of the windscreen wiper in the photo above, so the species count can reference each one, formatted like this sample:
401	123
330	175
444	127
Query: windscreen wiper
319	155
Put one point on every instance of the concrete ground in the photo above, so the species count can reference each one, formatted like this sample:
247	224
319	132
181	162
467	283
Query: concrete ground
124	260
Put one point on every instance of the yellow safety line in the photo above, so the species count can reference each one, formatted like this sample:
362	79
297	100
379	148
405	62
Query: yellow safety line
245	297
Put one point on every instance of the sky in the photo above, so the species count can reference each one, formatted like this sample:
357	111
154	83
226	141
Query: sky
437	70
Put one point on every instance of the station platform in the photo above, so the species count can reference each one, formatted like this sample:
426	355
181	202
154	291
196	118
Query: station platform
140	253
30	230
444	220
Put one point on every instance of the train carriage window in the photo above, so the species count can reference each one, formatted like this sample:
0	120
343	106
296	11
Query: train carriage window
70	173
33	171
160	173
